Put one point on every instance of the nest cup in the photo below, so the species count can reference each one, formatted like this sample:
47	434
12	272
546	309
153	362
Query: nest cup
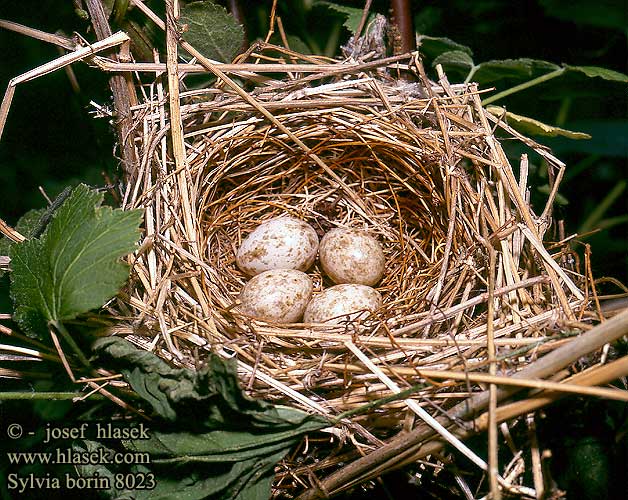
370	186
421	174
416	164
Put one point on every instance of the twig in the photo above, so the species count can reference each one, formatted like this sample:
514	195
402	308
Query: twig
51	396
493	462
537	470
121	95
402	18
61	41
416	408
408	447
365	15
523	86
49	67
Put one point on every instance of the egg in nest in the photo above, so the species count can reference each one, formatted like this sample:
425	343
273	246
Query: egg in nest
276	296
279	243
352	256
341	302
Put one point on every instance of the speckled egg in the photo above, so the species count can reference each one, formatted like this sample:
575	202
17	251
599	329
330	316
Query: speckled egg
334	304
280	243
352	256
276	296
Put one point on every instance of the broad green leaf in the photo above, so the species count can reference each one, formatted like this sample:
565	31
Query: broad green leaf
596	72
75	265
218	443
455	59
178	394
229	445
517	69
352	15
153	482
212	30
432	47
29	222
531	126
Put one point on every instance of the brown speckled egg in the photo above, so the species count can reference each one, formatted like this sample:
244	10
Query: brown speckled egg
280	243
276	296
334	304
352	256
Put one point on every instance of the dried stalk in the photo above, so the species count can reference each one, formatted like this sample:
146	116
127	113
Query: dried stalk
121	95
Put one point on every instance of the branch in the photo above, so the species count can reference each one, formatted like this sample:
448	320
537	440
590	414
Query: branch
402	19
407	446
121	95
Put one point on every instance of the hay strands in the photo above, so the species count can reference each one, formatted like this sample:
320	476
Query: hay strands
79	54
418	443
416	163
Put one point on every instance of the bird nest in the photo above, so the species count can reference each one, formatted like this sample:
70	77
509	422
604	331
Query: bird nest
369	144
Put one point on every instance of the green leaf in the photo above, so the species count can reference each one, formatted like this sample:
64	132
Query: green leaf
212	30
219	443
352	15
178	394
245	480
454	59
25	226
229	445
518	69
531	126
75	265
29	222
597	72
432	47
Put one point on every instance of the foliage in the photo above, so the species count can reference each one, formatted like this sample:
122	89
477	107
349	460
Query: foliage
530	126
74	266
352	15
221	443
211	30
27	224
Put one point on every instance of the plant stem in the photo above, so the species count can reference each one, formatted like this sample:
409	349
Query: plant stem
402	18
379	402
596	215
523	86
121	95
58	396
406	445
563	112
68	338
238	13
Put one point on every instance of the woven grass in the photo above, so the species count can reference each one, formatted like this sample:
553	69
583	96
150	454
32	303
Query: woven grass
469	286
